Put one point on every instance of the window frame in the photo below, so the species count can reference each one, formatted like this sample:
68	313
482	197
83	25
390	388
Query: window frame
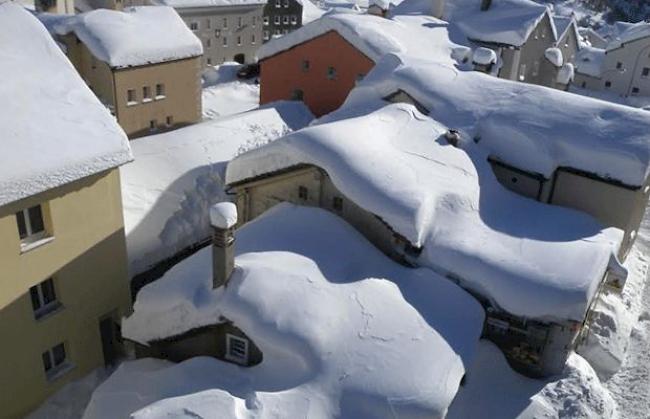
31	235
56	368
194	26
146	94
37	292
303	193
239	359
331	73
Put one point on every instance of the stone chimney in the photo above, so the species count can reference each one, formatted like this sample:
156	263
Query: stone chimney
223	217
438	8
485	5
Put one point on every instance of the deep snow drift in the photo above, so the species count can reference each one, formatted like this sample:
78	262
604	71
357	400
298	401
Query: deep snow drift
176	176
344	330
54	130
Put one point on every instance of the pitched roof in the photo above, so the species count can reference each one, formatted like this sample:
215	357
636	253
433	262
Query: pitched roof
632	33
54	130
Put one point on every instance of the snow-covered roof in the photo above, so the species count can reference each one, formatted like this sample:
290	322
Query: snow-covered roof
530	259
614	145
133	37
507	22
374	36
590	60
564	23
310	11
344	328
183	4
54	130
167	191
632	33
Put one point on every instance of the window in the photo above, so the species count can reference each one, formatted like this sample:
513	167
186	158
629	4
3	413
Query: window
54	361
239	40
43	298
265	20
225	41
146	94
169	121
217	33
331	73
267	35
209	61
535	68
645	72
236	349
93	62
305	65
285	20
522	72
277	32
303	193
276	20
285	31
297	94
208	23
608	84
208	43
543	32
278	3
153	124
619	65
240	22
294	20
253	39
286	4
160	91
30	224
131	98
337	203
225	22
194	26
635	91
254	21
583	84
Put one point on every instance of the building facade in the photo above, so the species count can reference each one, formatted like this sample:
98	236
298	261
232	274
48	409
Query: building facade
64	288
228	32
281	17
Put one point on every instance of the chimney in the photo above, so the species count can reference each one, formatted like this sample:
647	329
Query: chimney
223	217
438	8
378	8
485	4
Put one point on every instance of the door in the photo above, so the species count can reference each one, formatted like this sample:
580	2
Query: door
107	331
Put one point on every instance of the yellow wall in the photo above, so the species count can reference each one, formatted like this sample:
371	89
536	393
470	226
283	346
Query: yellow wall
87	259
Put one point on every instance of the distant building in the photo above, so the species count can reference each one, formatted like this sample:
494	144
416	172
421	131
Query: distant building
228	30
64	282
622	67
282	17
143	64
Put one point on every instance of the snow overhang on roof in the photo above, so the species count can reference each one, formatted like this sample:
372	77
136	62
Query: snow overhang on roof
54	129
590	60
419	36
527	257
133	37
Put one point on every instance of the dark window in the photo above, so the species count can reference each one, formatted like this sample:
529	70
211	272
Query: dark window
331	73
160	90
608	84
305	65
337	203
169	121
584	84
286	3
297	94
130	96
303	193
619	65
30	222
53	357
514	180
645	72
146	93
635	91
152	124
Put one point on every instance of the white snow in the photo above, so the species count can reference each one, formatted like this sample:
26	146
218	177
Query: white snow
181	4
223	215
54	130
417	36
224	94
310	11
530	259
632	33
614	145
566	74
344	331
176	176
554	55
133	37
589	61
484	56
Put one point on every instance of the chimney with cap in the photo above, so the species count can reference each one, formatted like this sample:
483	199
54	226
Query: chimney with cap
223	217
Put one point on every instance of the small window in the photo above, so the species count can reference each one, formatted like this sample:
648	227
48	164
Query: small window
278	3
209	61
236	349
285	31
276	20
286	4
253	39
153	124
635	91
285	20
146	94
267	35
194	26
305	65
54	360
294	20
265	20
225	22
297	94
239	40
522	72
240	22
225	41
277	32
303	193
254	21
30	224
208	23
43	298
131	98
331	73
208	43
645	72
169	121
583	84
337	203
608	84
619	65
160	91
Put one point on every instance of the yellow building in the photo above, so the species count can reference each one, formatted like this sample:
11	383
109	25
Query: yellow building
144	64
63	268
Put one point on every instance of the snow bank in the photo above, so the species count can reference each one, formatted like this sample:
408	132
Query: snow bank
224	94
55	131
493	390
345	331
530	259
614	145
554	55
133	37
177	176
418	36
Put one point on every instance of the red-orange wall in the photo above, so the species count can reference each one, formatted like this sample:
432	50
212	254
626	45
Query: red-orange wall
283	73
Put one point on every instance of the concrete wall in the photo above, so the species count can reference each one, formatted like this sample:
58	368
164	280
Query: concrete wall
281	17
634	57
87	259
282	74
219	31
